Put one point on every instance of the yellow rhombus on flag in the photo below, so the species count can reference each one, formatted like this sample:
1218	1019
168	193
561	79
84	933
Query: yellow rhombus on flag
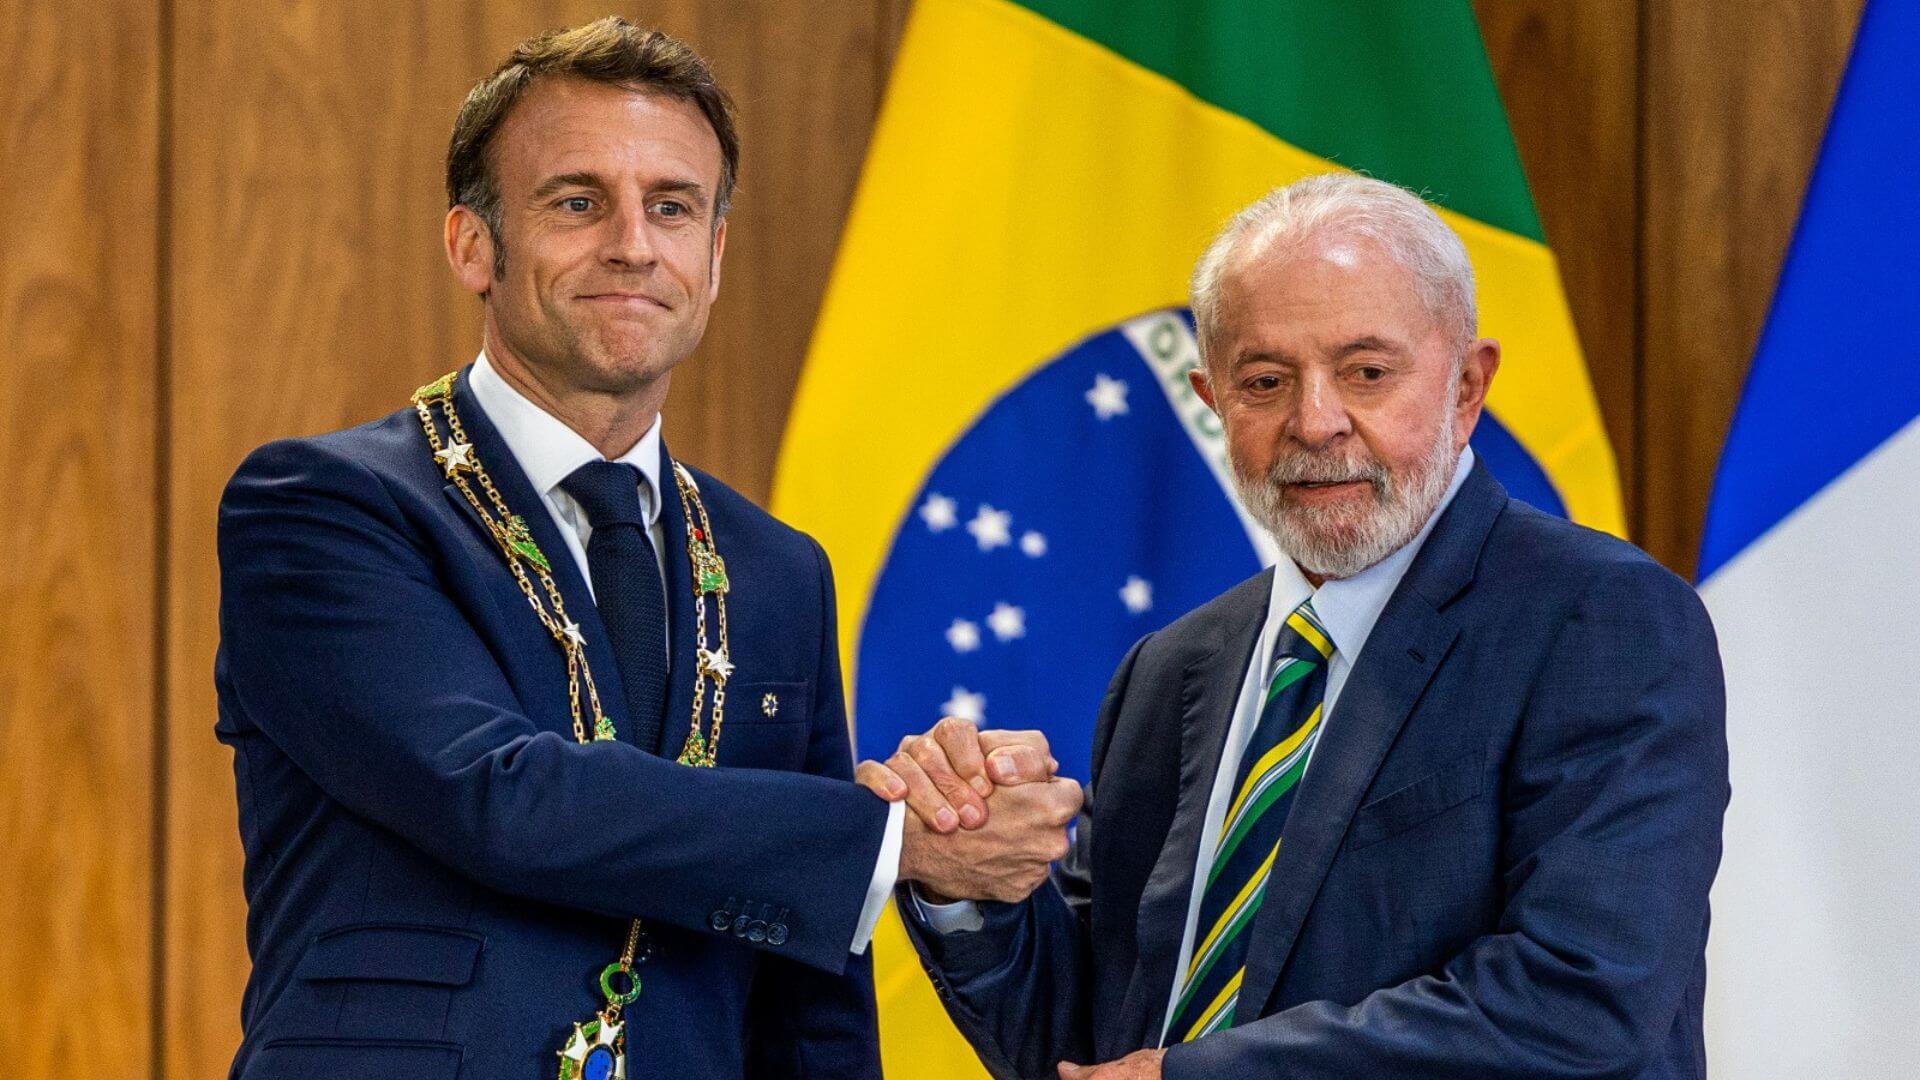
990	437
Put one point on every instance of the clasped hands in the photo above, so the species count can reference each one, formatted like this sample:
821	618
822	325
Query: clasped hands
989	813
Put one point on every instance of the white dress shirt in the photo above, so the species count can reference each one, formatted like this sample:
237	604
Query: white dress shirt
548	451
1348	608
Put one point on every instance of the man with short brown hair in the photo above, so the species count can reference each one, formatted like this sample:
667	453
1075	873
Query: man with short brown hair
539	734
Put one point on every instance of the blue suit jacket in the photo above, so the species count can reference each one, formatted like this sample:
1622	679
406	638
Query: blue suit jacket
1497	864
436	872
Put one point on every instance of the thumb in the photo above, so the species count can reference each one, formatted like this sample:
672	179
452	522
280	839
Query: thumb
1070	1071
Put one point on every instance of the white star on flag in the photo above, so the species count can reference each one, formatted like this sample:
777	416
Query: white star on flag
1108	397
1007	622
966	705
1033	544
963	635
939	512
991	528
1137	594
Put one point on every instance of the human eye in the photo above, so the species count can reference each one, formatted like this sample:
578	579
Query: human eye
672	209
576	204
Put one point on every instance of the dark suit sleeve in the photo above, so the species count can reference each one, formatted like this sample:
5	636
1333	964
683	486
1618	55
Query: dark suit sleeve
1611	811
341	644
1018	988
805	1022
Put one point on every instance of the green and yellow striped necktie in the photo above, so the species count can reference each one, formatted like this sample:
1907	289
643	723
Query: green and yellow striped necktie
1249	838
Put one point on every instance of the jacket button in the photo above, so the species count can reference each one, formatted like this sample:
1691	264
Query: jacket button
740	922
721	919
777	934
757	931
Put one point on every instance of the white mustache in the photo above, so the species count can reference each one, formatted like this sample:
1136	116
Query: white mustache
1308	470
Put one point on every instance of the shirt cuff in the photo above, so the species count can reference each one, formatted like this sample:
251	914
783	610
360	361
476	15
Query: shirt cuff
959	917
886	870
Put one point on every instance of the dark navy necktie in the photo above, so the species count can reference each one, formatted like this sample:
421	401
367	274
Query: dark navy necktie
626	588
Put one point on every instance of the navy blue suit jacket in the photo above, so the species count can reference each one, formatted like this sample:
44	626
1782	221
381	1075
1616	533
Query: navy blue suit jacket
1496	866
436	872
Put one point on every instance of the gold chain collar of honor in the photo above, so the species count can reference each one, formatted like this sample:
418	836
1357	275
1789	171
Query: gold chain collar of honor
458	459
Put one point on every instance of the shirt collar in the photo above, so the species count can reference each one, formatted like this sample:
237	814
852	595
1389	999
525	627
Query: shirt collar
546	448
1348	607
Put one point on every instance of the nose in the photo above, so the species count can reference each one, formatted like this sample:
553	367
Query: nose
1319	412
629	239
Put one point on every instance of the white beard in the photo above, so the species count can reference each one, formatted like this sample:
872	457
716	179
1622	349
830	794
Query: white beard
1325	541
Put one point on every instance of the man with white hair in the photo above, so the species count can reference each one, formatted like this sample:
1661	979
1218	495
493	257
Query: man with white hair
1439	795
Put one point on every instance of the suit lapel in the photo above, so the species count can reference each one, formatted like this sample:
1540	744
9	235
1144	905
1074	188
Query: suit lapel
1209	689
517	491
1406	647
682	639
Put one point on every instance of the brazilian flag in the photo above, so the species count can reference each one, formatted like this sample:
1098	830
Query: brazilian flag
993	435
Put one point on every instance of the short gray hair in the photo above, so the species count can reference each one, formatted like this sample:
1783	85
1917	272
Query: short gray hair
1346	204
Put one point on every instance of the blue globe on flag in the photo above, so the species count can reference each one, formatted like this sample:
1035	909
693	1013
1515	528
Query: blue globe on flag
1085	508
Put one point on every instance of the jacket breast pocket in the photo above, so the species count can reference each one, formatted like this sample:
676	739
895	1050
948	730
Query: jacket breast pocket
1452	784
387	981
767	726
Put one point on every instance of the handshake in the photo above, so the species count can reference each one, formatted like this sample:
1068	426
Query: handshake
988	815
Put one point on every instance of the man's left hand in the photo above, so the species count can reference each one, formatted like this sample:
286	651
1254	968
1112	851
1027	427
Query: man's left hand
1139	1065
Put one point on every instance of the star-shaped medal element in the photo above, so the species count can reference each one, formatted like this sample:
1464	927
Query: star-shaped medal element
1007	622
1137	594
939	512
991	528
966	705
1108	397
1032	544
963	635
581	1046
573	634
716	663
455	457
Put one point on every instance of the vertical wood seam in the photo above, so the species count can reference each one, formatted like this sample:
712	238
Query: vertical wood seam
1637	503
162	526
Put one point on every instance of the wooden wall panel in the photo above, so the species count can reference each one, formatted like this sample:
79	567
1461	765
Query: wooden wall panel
310	293
1568	73
1735	98
79	112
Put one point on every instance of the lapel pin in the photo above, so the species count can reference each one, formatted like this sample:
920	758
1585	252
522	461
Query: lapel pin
769	704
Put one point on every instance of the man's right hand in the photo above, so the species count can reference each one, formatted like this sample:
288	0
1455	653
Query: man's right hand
946	775
1006	859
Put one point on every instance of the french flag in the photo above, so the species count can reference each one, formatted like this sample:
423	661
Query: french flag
1811	567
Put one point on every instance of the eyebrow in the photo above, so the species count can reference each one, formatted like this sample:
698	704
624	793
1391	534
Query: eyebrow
1367	344
567	180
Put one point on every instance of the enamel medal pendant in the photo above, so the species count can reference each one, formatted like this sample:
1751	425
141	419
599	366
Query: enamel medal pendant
597	1051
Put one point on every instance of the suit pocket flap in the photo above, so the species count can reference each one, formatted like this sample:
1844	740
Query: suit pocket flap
386	953
1428	797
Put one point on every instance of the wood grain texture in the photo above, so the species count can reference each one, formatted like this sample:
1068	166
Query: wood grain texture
1735	99
310	293
1568	74
79	110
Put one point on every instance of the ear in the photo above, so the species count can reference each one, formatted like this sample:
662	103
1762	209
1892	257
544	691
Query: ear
1202	385
1470	395
470	250
719	249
